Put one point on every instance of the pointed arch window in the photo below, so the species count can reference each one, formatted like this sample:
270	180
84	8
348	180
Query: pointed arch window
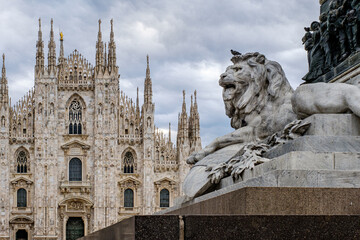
75	117
129	198
75	170
21	197
128	163
164	198
22	162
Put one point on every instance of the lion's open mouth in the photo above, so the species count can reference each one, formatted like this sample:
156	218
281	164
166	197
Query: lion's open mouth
226	85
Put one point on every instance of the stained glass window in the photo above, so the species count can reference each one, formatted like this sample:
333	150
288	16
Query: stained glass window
129	198
75	170
164	198
21	198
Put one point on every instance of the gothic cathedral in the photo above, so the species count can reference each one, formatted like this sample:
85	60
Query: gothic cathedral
78	155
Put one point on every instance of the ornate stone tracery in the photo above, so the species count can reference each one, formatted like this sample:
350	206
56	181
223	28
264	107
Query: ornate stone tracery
76	73
22	161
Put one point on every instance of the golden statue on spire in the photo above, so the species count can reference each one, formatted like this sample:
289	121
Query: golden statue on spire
61	36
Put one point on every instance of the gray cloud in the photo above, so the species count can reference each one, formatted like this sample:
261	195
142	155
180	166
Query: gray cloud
188	43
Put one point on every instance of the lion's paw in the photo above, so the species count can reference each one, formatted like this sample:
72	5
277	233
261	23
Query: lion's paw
195	157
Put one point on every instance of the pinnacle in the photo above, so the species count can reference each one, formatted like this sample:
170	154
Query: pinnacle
3	68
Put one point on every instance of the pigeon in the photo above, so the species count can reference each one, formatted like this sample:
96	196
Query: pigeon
233	52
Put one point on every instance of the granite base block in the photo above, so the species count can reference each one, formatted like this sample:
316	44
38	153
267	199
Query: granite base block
140	228
271	227
204	227
275	201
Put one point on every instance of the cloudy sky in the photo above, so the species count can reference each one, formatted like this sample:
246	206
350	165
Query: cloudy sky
188	42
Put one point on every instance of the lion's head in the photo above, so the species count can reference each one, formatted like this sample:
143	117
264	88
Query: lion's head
250	83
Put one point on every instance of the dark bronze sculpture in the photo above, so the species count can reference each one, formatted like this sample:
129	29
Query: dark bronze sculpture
330	41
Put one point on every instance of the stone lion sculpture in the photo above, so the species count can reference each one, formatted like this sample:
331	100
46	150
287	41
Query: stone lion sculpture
315	98
257	98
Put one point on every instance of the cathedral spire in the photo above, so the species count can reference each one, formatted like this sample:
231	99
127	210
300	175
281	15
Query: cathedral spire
105	58
39	66
195	126
169	132
183	104
195	103
52	50
137	104
99	33
99	51
147	67
148	84
182	134
112	51
112	31
137	97
4	94
192	105
3	70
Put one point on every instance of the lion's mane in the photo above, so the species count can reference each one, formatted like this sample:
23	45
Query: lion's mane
266	85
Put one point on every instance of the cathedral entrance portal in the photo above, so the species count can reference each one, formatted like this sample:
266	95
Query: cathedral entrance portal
74	228
75	215
21	235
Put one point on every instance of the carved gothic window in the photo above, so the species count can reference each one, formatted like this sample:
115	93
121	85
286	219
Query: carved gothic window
22	162
129	198
128	163
75	118
21	198
75	170
164	198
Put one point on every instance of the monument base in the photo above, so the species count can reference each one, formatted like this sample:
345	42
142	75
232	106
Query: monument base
204	227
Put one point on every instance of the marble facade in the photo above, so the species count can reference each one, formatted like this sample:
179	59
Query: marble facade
73	145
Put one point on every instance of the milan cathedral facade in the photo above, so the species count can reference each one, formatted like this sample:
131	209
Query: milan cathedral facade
78	155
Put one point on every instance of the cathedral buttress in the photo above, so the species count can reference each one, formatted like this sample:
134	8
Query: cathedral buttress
106	129
4	150
148	110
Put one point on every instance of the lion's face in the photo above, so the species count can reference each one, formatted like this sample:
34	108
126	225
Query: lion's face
241	84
